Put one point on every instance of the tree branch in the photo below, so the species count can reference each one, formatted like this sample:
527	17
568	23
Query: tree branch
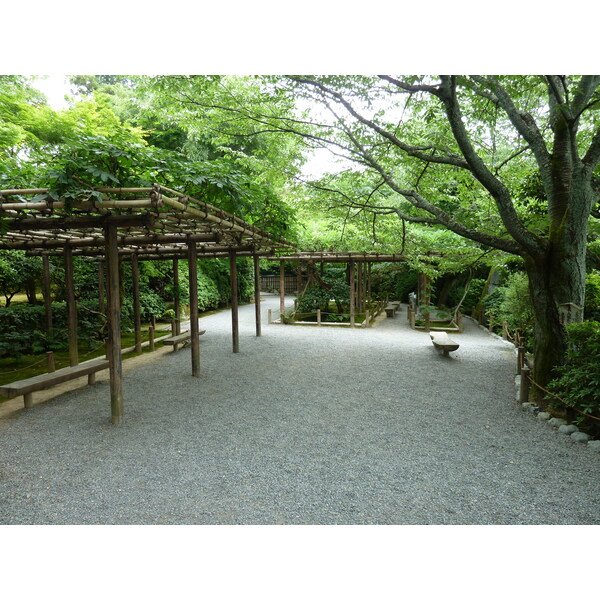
415	151
525	124
495	187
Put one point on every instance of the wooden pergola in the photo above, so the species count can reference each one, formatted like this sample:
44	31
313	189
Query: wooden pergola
145	223
359	265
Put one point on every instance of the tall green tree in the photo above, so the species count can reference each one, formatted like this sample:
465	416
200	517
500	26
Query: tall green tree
458	149
457	152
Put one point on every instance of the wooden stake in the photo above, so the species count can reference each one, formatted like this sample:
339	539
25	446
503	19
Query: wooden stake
281	287
318	316
524	389
151	338
50	360
71	307
257	295
352	293
137	319
114	324
235	333
194	329
46	294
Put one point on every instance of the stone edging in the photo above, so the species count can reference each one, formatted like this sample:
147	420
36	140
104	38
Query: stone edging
561	425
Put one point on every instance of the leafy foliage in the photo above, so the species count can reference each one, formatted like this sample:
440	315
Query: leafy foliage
578	381
511	304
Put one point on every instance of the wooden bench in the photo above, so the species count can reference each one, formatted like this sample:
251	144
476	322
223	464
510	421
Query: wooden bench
26	387
390	309
442	341
175	340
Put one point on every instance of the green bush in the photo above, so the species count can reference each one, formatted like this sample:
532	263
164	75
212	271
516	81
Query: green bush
592	296
471	299
394	281
511	304
316	296
578	380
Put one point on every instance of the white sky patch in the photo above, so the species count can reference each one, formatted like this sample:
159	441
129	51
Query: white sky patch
54	87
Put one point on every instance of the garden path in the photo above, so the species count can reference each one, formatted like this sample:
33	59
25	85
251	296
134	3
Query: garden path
305	425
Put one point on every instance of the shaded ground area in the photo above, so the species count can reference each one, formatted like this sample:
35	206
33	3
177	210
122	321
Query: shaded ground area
304	426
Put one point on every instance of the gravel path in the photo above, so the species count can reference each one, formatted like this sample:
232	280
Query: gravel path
303	426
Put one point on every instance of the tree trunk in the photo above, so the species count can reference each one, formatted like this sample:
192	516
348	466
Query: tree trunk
557	277
30	291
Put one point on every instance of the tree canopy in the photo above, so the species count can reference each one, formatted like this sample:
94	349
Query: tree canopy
451	171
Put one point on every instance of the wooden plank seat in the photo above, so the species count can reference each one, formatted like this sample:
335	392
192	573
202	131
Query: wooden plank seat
175	340
442	341
25	387
390	309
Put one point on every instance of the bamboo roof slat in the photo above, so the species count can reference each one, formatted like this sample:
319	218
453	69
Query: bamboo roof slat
150	221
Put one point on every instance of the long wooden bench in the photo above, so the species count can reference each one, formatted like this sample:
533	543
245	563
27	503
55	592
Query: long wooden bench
26	387
175	340
391	308
442	341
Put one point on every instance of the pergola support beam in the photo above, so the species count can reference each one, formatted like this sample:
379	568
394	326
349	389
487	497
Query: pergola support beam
194	329
235	326
114	325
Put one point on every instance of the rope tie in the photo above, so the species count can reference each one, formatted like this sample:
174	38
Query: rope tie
561	400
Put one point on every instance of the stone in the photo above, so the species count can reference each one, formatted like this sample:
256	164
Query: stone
534	408
579	437
527	405
568	429
594	445
554	422
544	416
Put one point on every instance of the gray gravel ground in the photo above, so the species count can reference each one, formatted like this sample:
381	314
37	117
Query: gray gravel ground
303	426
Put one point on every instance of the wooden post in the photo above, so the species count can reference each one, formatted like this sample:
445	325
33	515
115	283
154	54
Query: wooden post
71	307
28	400
270	316
299	279
193	277
235	331
101	306
51	363
318	316
352	293
46	293
176	299
281	287
359	286
257	295
137	318
524	389
520	358
367	317
114	324
174	333
151	338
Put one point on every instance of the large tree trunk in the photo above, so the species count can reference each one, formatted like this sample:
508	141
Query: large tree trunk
557	279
